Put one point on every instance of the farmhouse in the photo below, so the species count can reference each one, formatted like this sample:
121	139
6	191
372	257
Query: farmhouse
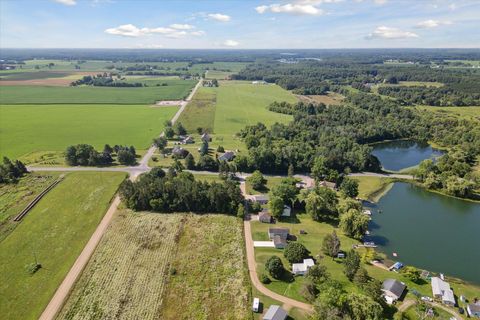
473	309
227	156
279	237
392	290
441	290
206	137
264	217
302	268
275	313
179	152
260	198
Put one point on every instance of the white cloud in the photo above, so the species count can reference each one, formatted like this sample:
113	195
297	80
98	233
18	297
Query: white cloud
149	46
198	33
219	17
316	2
129	30
231	43
383	32
428	24
67	2
292	8
182	26
452	6
380	2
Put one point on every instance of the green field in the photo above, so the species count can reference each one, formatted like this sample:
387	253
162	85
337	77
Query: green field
471	113
200	112
30	128
271	182
12	75
240	104
55	231
372	188
89	94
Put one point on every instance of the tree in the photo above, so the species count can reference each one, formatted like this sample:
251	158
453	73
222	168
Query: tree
220	149
349	187
204	148
274	266
368	255
331	244
317	274
331	301
207	163
275	204
321	204
412	273
291	170
11	171
257	181
169	133
160	143
351	264
189	162
179	129
286	190
107	149
354	224
309	290
240	211
125	157
295	252
361	277
361	307
319	169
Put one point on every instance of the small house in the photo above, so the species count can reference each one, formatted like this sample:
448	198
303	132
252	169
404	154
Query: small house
264	217
392	290
188	140
279	242
473	309
302	268
227	156
286	211
328	184
441	290
179	152
256	305
275	313
396	266
341	255
260	198
281	232
206	137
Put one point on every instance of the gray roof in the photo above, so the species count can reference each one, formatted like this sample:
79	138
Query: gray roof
260	197
275	313
227	156
474	307
394	286
279	240
278	230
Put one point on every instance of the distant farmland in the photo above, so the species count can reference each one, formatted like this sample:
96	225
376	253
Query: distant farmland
29	128
176	90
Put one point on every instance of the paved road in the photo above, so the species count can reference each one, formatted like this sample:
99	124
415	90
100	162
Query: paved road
252	270
60	296
382	175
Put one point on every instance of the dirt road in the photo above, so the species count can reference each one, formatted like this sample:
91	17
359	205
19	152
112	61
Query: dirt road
58	299
288	303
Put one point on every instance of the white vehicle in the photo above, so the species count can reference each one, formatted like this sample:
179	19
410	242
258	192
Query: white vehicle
425	298
256	304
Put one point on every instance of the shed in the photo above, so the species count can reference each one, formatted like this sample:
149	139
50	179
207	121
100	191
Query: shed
260	198
275	313
188	140
286	211
392	290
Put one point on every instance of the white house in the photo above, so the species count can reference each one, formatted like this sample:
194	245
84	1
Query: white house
275	313
441	290
302	268
473	310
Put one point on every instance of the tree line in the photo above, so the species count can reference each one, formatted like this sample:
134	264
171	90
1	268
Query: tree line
105	80
11	171
86	155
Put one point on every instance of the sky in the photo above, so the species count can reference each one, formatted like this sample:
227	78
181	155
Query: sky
242	24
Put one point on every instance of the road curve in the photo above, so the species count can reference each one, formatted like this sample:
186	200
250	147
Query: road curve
62	292
254	276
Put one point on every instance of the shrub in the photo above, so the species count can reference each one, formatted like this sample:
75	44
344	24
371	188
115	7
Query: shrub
274	266
265	279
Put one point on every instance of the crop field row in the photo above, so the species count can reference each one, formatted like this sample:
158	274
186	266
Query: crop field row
53	233
94	95
164	266
125	278
200	112
48	128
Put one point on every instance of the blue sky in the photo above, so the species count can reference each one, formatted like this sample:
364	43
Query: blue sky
239	24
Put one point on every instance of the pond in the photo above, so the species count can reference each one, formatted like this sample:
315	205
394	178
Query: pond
401	154
429	230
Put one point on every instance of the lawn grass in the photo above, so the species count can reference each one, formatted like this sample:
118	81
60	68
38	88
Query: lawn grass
209	281
127	274
241	103
27	129
18	76
373	188
55	231
271	182
200	112
91	94
14	197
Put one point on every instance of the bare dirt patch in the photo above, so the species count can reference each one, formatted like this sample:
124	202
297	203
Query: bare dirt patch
58	82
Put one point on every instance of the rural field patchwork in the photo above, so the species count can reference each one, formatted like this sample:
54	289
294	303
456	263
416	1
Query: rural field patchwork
54	127
54	233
